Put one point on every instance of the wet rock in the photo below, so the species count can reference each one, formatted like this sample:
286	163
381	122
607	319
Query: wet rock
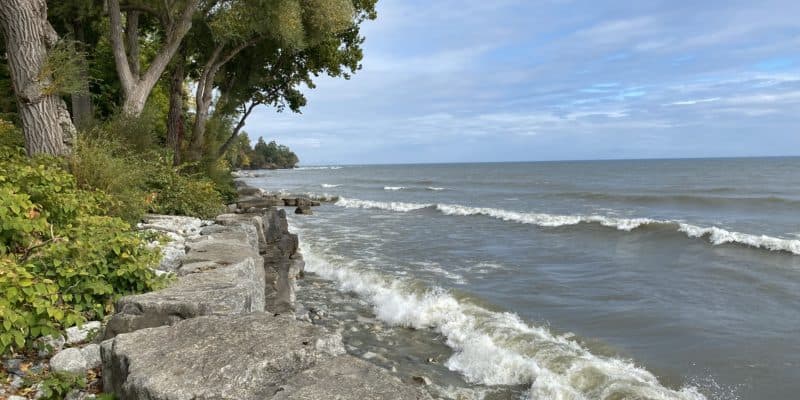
347	378
77	334
421	379
304	210
69	360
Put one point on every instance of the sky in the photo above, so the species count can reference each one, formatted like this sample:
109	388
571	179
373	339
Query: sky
504	80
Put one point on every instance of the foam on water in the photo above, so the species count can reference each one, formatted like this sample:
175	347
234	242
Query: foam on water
493	348
436	189
714	235
328	185
393	188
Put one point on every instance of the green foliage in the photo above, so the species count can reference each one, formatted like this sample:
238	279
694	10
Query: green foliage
57	385
62	259
175	193
272	155
65	69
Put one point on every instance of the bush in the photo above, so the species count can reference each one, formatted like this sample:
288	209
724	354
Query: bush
62	260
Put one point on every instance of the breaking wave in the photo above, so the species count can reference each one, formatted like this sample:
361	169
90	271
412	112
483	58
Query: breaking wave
714	235
393	188
328	185
494	348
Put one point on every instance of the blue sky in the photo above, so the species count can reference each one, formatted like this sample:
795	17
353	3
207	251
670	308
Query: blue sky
476	80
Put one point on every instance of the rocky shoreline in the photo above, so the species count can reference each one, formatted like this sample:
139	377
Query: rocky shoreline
227	327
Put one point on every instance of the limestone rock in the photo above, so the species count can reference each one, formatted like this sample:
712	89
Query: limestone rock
213	357
77	334
347	378
91	353
69	360
231	283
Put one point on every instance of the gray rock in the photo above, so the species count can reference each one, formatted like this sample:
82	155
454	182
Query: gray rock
345	378
50	345
69	360
231	282
421	379
77	334
213	357
91	353
304	210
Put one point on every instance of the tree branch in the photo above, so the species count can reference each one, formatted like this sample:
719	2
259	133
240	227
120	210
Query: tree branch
118	47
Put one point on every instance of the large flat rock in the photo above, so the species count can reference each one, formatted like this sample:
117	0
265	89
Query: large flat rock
213	357
218	277
347	378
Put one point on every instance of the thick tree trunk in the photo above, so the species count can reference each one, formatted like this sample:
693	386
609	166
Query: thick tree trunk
45	118
175	121
136	89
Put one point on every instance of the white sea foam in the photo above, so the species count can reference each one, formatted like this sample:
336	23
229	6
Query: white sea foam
393	188
436	189
494	348
328	185
714	235
389	206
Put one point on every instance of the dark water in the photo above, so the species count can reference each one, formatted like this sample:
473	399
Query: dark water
667	279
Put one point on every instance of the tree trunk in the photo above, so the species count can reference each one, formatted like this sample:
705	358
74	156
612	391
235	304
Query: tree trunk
136	89
175	122
45	118
82	112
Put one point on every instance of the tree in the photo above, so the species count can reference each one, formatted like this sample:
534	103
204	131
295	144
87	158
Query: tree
176	18
274	41
30	42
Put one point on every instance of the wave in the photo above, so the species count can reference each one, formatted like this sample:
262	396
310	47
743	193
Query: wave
389	206
495	348
714	235
328	185
436	189
698	200
393	188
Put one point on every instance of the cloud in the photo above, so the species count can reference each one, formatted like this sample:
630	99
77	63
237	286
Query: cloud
556	79
692	102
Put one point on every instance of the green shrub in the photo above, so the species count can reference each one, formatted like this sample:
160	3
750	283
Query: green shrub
174	193
61	259
102	164
56	385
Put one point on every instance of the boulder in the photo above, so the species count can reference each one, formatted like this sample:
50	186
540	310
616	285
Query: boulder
212	357
231	282
91	353
77	334
290	202
249	191
305	210
69	360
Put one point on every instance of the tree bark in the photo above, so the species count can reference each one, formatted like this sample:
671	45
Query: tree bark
45	119
82	112
175	121
136	89
205	88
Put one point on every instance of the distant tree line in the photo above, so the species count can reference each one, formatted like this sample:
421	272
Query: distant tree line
261	156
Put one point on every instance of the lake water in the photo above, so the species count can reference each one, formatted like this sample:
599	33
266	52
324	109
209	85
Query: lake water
662	279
